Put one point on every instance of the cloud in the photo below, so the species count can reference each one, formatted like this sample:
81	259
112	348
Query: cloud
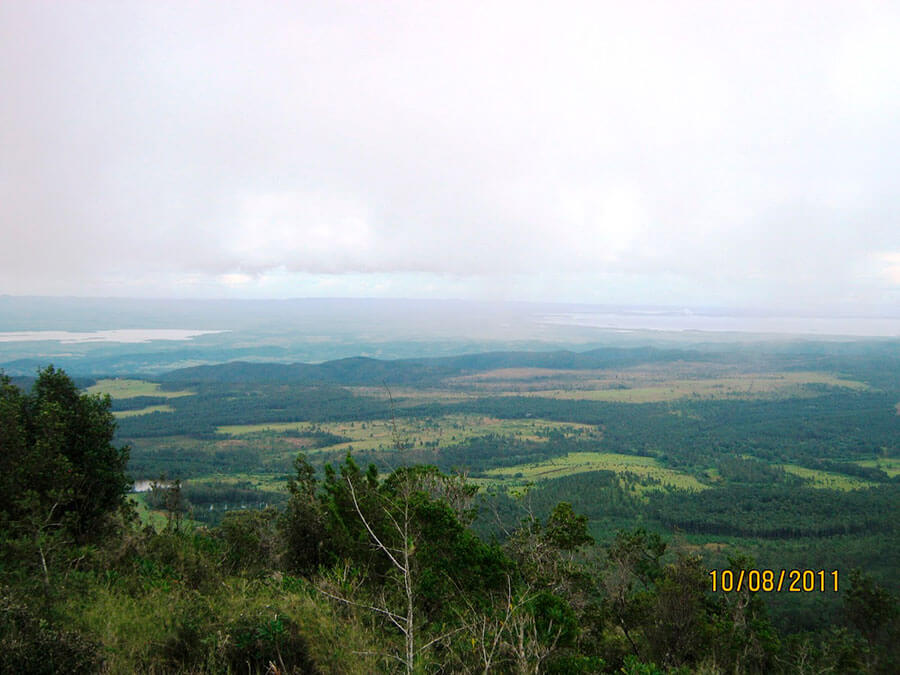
891	267
866	72
739	153
304	231
235	279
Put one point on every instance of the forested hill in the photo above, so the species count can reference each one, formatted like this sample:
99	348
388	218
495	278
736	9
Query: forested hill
369	371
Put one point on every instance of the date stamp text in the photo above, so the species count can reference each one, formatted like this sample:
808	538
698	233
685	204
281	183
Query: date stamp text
769	581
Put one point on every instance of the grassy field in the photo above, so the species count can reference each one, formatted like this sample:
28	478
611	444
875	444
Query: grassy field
263	481
119	388
827	479
890	465
156	519
415	432
580	462
119	414
740	387
409	396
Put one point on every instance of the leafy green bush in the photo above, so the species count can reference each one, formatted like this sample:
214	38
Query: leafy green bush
185	646
252	540
258	640
30	643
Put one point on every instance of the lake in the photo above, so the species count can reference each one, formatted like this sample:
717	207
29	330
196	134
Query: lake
127	335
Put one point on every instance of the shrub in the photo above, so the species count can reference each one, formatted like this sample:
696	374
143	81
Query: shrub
32	644
255	641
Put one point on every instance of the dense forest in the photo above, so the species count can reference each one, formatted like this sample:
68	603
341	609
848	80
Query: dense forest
361	567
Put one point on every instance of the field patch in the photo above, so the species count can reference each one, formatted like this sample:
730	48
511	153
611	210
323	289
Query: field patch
154	518
827	479
405	397
119	414
644	384
736	387
581	462
890	465
123	388
262	481
415	432
526	375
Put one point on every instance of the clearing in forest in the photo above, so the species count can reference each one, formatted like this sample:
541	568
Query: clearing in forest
739	387
890	465
581	462
119	414
645	385
123	388
827	479
417	432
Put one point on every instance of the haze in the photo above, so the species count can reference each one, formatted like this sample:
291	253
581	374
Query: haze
739	154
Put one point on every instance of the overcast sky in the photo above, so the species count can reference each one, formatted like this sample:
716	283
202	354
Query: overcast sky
683	153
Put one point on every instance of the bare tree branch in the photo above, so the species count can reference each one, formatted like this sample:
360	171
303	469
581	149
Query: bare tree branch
379	610
370	530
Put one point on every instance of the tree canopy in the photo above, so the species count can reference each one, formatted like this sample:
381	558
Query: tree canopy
58	464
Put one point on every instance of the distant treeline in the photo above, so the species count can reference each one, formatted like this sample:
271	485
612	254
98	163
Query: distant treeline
777	512
361	371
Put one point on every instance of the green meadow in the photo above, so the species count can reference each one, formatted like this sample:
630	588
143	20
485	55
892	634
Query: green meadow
890	465
741	387
827	479
413	432
125	388
120	414
581	462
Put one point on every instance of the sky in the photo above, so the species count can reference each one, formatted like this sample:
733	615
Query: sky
738	154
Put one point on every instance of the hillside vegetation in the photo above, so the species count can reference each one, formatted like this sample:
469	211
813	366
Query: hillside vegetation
455	516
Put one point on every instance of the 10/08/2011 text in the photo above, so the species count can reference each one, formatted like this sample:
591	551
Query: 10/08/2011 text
767	581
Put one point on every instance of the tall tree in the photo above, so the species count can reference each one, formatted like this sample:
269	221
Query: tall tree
57	456
409	535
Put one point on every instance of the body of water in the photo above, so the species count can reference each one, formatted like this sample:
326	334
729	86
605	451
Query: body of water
144	485
688	321
129	335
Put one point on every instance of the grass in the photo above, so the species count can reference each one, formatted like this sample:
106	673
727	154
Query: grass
137	629
737	387
119	414
449	430
826	479
263	481
156	519
581	462
890	465
408	396
124	388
